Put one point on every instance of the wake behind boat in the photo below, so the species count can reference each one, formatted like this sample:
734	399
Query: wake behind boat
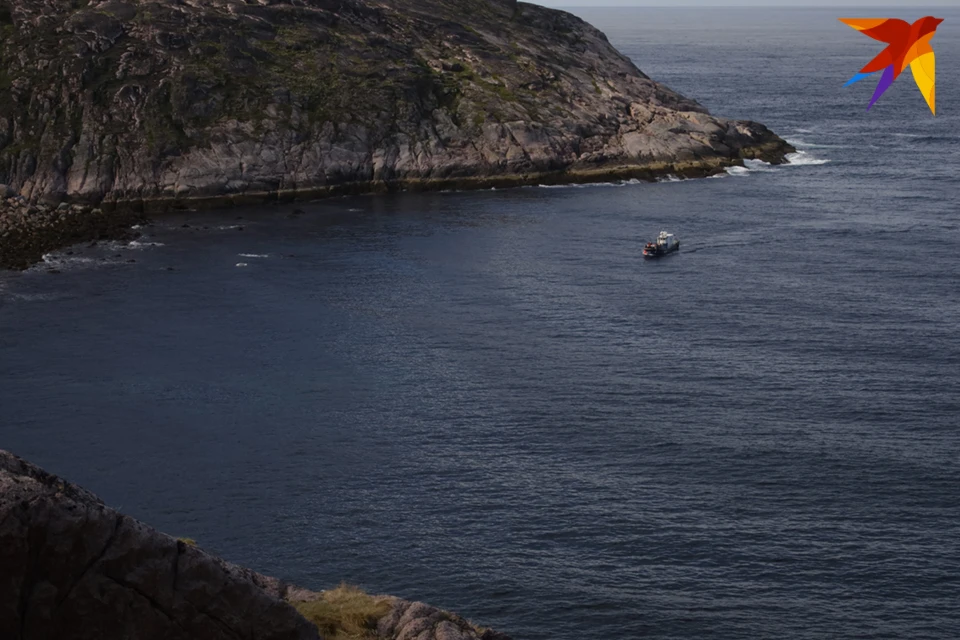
664	244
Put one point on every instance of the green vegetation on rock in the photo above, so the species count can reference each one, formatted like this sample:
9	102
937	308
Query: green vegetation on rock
345	613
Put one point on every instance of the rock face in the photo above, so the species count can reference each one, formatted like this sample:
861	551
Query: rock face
74	569
164	103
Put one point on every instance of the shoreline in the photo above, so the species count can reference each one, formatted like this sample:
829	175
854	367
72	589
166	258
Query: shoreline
772	152
28	231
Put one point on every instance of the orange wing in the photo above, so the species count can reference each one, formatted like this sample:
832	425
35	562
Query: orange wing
889	30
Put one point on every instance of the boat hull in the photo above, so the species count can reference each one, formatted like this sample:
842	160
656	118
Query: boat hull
659	252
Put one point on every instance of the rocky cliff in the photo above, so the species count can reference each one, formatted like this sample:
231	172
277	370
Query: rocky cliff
71	568
153	103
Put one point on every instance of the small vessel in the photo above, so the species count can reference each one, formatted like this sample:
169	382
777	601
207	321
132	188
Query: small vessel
664	244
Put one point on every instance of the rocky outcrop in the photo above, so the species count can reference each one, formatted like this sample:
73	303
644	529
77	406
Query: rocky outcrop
71	568
28	231
158	103
417	621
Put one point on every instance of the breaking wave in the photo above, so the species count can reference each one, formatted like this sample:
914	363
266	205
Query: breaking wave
135	244
737	171
803	158
61	261
799	159
622	183
750	166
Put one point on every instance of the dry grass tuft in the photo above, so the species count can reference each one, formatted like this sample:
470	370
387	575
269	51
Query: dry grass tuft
345	613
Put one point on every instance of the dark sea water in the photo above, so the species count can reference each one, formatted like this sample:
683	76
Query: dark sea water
490	402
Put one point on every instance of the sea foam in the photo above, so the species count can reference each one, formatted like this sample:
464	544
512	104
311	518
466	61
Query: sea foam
803	158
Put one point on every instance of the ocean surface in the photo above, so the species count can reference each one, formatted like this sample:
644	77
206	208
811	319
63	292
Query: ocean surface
488	401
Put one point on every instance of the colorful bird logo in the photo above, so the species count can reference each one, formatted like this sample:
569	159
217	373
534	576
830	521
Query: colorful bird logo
909	44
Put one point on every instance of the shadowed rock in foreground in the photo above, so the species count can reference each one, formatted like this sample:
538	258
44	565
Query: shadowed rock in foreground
74	569
164	103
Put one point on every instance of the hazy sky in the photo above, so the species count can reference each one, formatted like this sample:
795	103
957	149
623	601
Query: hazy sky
755	3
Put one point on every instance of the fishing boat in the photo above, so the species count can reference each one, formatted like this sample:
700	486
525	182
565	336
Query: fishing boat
664	244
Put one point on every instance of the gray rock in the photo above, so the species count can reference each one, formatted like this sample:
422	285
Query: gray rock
419	621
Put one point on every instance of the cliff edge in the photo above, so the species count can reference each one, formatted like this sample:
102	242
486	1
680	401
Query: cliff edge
156	103
74	569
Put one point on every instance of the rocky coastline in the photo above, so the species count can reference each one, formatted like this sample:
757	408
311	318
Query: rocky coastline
142	106
28	231
75	569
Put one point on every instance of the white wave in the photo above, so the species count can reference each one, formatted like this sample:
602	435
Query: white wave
738	171
114	245
62	262
242	264
354	210
254	255
135	244
670	178
750	166
803	158
804	130
228	227
57	259
758	165
590	185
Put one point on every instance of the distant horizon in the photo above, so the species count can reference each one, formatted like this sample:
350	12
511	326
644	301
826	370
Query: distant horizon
772	4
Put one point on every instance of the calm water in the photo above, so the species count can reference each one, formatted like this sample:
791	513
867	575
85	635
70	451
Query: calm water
488	401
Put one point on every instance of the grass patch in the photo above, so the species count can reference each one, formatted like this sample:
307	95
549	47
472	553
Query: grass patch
345	613
188	541
498	87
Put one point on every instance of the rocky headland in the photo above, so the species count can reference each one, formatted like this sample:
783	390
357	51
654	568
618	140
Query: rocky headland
147	105
71	568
